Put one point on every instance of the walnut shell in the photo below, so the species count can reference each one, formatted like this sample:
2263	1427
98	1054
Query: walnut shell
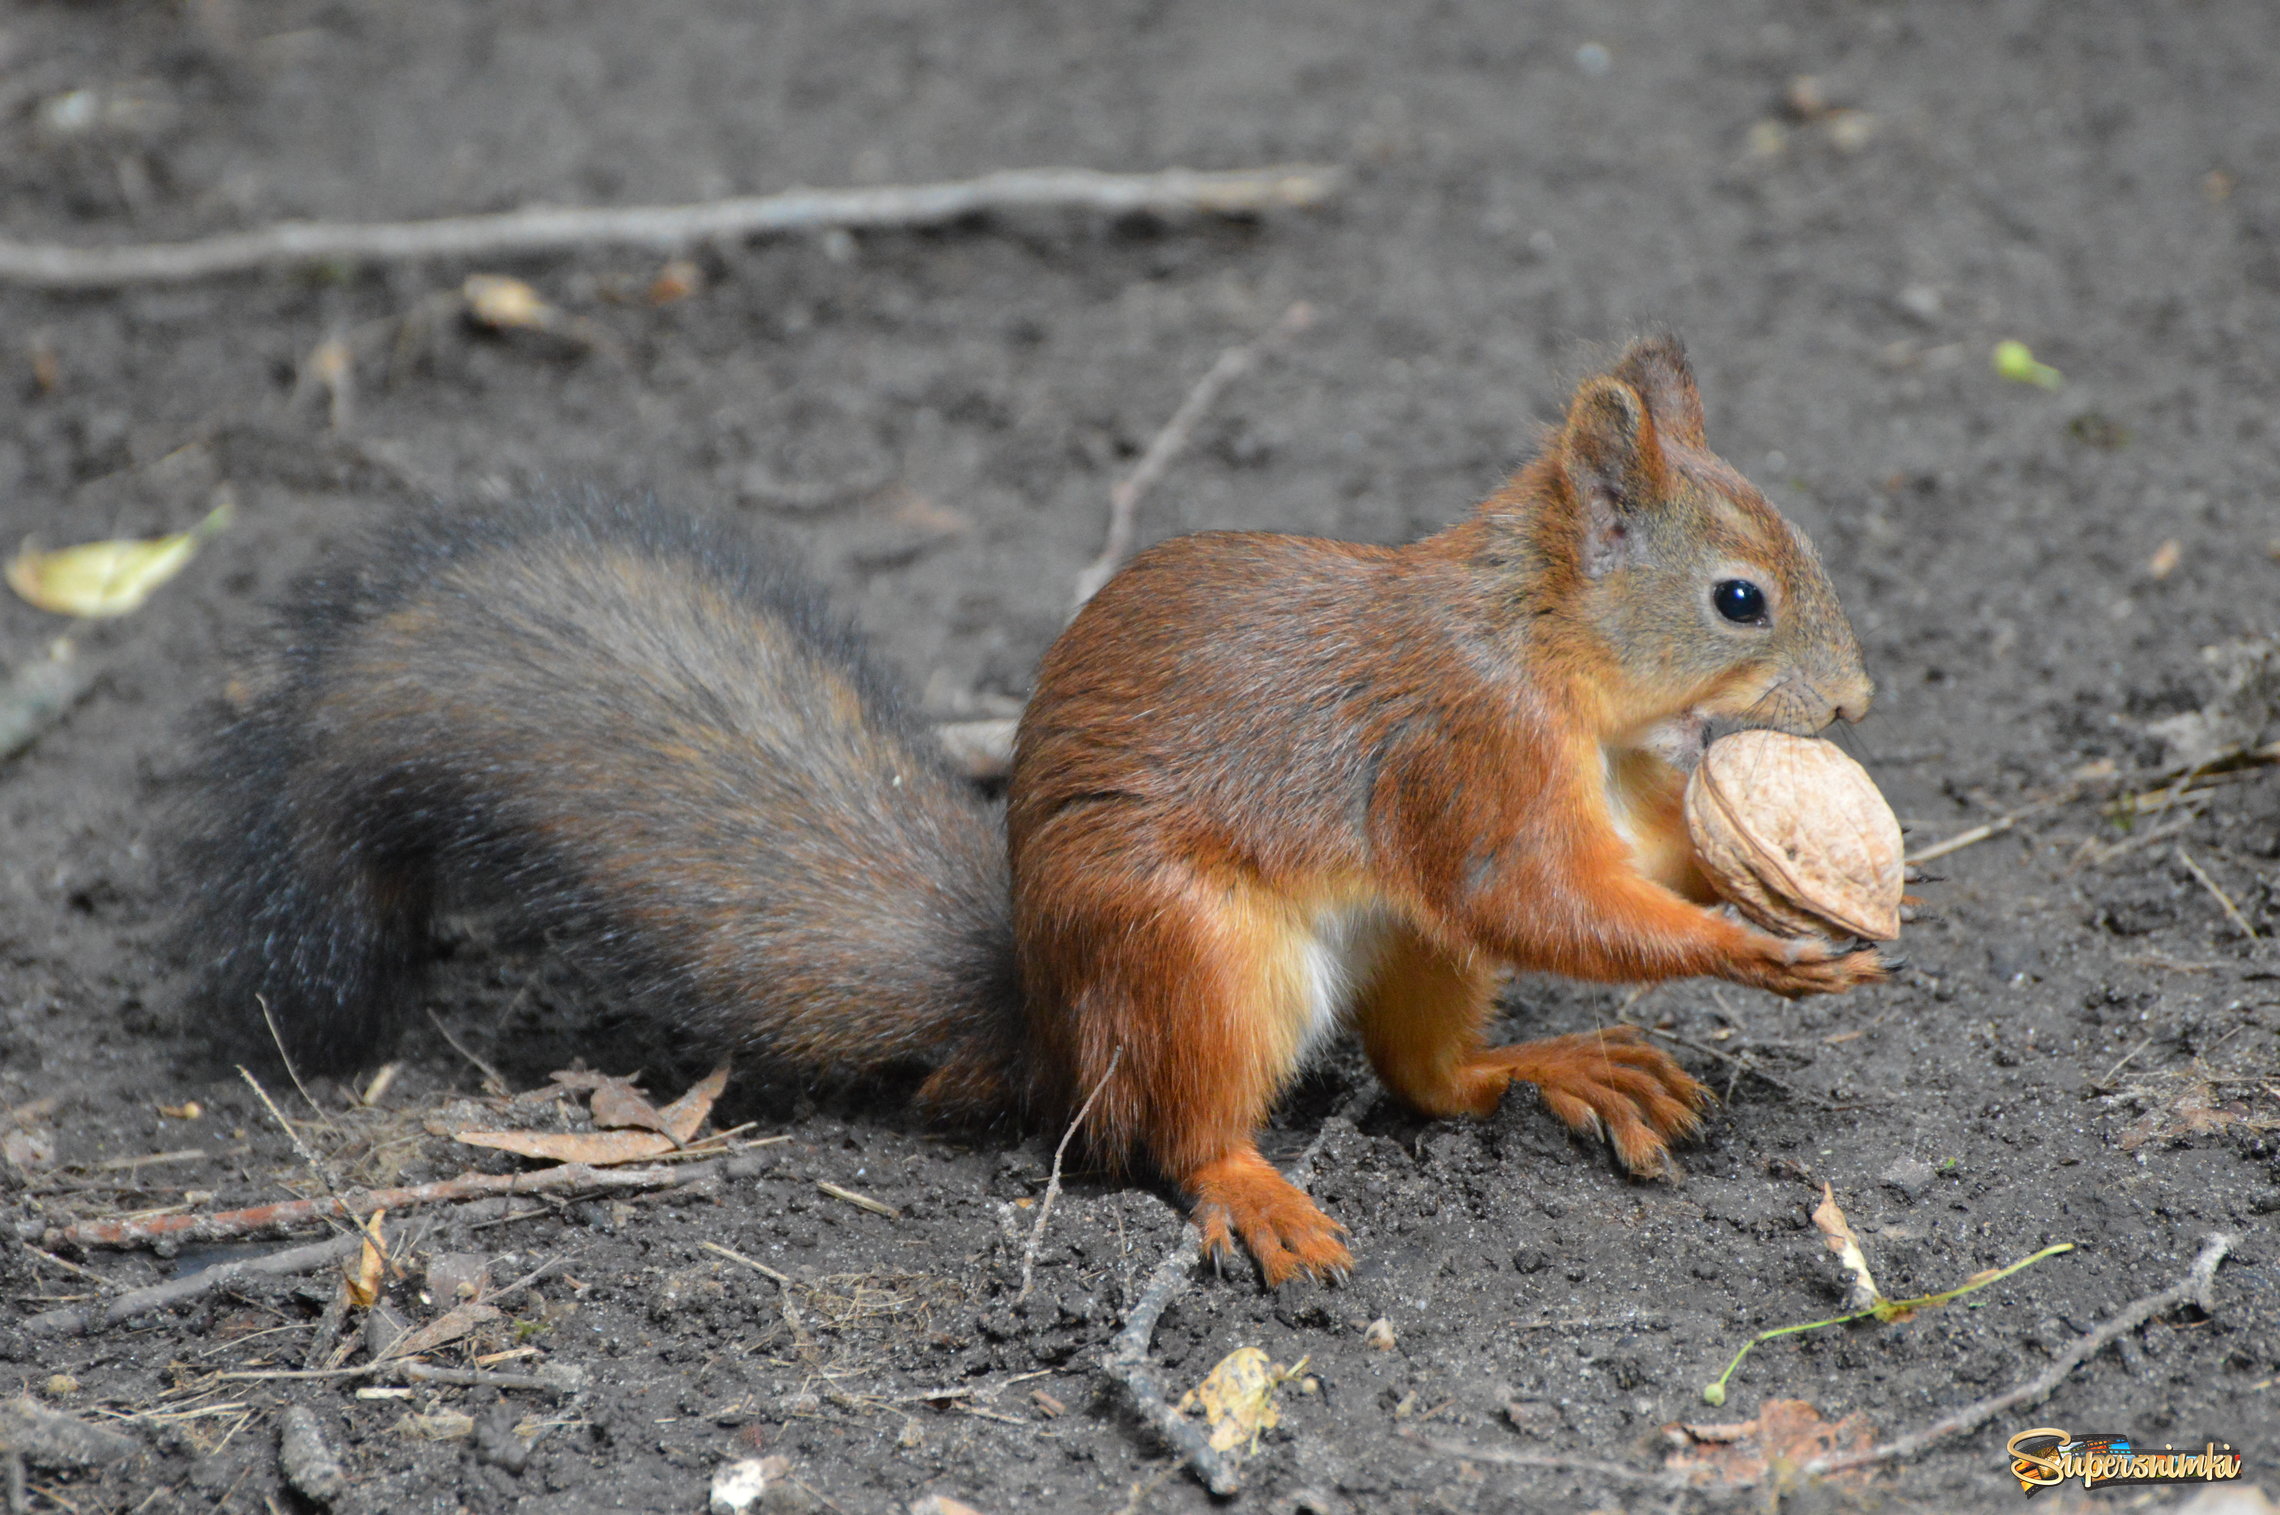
1796	836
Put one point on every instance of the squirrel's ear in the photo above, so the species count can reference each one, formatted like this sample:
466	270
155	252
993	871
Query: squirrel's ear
1657	368
1613	464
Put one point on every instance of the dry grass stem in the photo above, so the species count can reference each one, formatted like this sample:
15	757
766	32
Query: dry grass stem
2193	1288
2231	910
859	1201
1053	1183
1124	499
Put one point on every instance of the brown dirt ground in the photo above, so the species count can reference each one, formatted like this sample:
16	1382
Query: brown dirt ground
2086	1047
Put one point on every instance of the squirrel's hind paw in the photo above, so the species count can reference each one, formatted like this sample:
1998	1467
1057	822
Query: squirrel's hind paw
1243	1198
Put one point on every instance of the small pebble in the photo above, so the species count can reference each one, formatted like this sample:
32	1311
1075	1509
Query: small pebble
1911	1176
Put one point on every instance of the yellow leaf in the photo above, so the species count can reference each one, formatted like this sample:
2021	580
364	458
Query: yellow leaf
1237	1398
498	301
107	578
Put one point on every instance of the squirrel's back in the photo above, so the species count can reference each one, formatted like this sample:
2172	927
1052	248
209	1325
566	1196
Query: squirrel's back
649	738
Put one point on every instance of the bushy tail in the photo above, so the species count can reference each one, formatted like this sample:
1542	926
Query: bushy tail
644	735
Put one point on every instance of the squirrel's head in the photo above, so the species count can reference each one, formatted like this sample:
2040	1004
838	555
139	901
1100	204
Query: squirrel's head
1708	602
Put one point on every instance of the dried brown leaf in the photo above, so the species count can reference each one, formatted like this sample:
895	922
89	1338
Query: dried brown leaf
1785	1434
364	1272
1829	1219
446	1328
687	1115
617	1104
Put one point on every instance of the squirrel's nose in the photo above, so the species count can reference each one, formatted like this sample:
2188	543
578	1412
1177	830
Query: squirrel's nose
1852	699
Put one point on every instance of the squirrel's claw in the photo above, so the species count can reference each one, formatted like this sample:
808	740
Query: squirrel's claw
1242	1196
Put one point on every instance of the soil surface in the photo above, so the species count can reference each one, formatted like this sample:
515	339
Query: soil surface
1842	208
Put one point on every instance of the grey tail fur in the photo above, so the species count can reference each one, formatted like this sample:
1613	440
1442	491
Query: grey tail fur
650	739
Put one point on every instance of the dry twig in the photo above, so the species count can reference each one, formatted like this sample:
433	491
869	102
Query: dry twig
1053	1184
1127	1363
1588	1467
157	1297
2194	1287
1124	499
554	1379
236	1225
1127	1359
665	227
859	1201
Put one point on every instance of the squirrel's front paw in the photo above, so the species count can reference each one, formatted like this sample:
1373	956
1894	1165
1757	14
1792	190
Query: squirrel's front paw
1797	966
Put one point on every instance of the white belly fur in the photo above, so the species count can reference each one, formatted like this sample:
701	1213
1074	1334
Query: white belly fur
1336	959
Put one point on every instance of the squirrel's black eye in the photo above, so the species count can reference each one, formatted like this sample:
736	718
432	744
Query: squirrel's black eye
1740	601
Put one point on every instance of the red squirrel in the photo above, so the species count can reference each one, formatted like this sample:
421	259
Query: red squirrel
1267	786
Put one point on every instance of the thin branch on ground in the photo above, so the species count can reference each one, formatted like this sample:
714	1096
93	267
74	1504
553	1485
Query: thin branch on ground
1127	1360
554	1379
1650	1478
1127	1363
237	1225
1124	499
1053	1184
789	1308
2193	1288
76	1322
665	227
781	1279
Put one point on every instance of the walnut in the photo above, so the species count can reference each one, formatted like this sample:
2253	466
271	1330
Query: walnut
1795	835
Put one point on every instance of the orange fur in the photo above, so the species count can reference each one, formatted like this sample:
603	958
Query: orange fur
1266	783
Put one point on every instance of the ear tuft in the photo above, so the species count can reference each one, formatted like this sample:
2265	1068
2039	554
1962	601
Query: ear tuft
1613	464
1657	368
